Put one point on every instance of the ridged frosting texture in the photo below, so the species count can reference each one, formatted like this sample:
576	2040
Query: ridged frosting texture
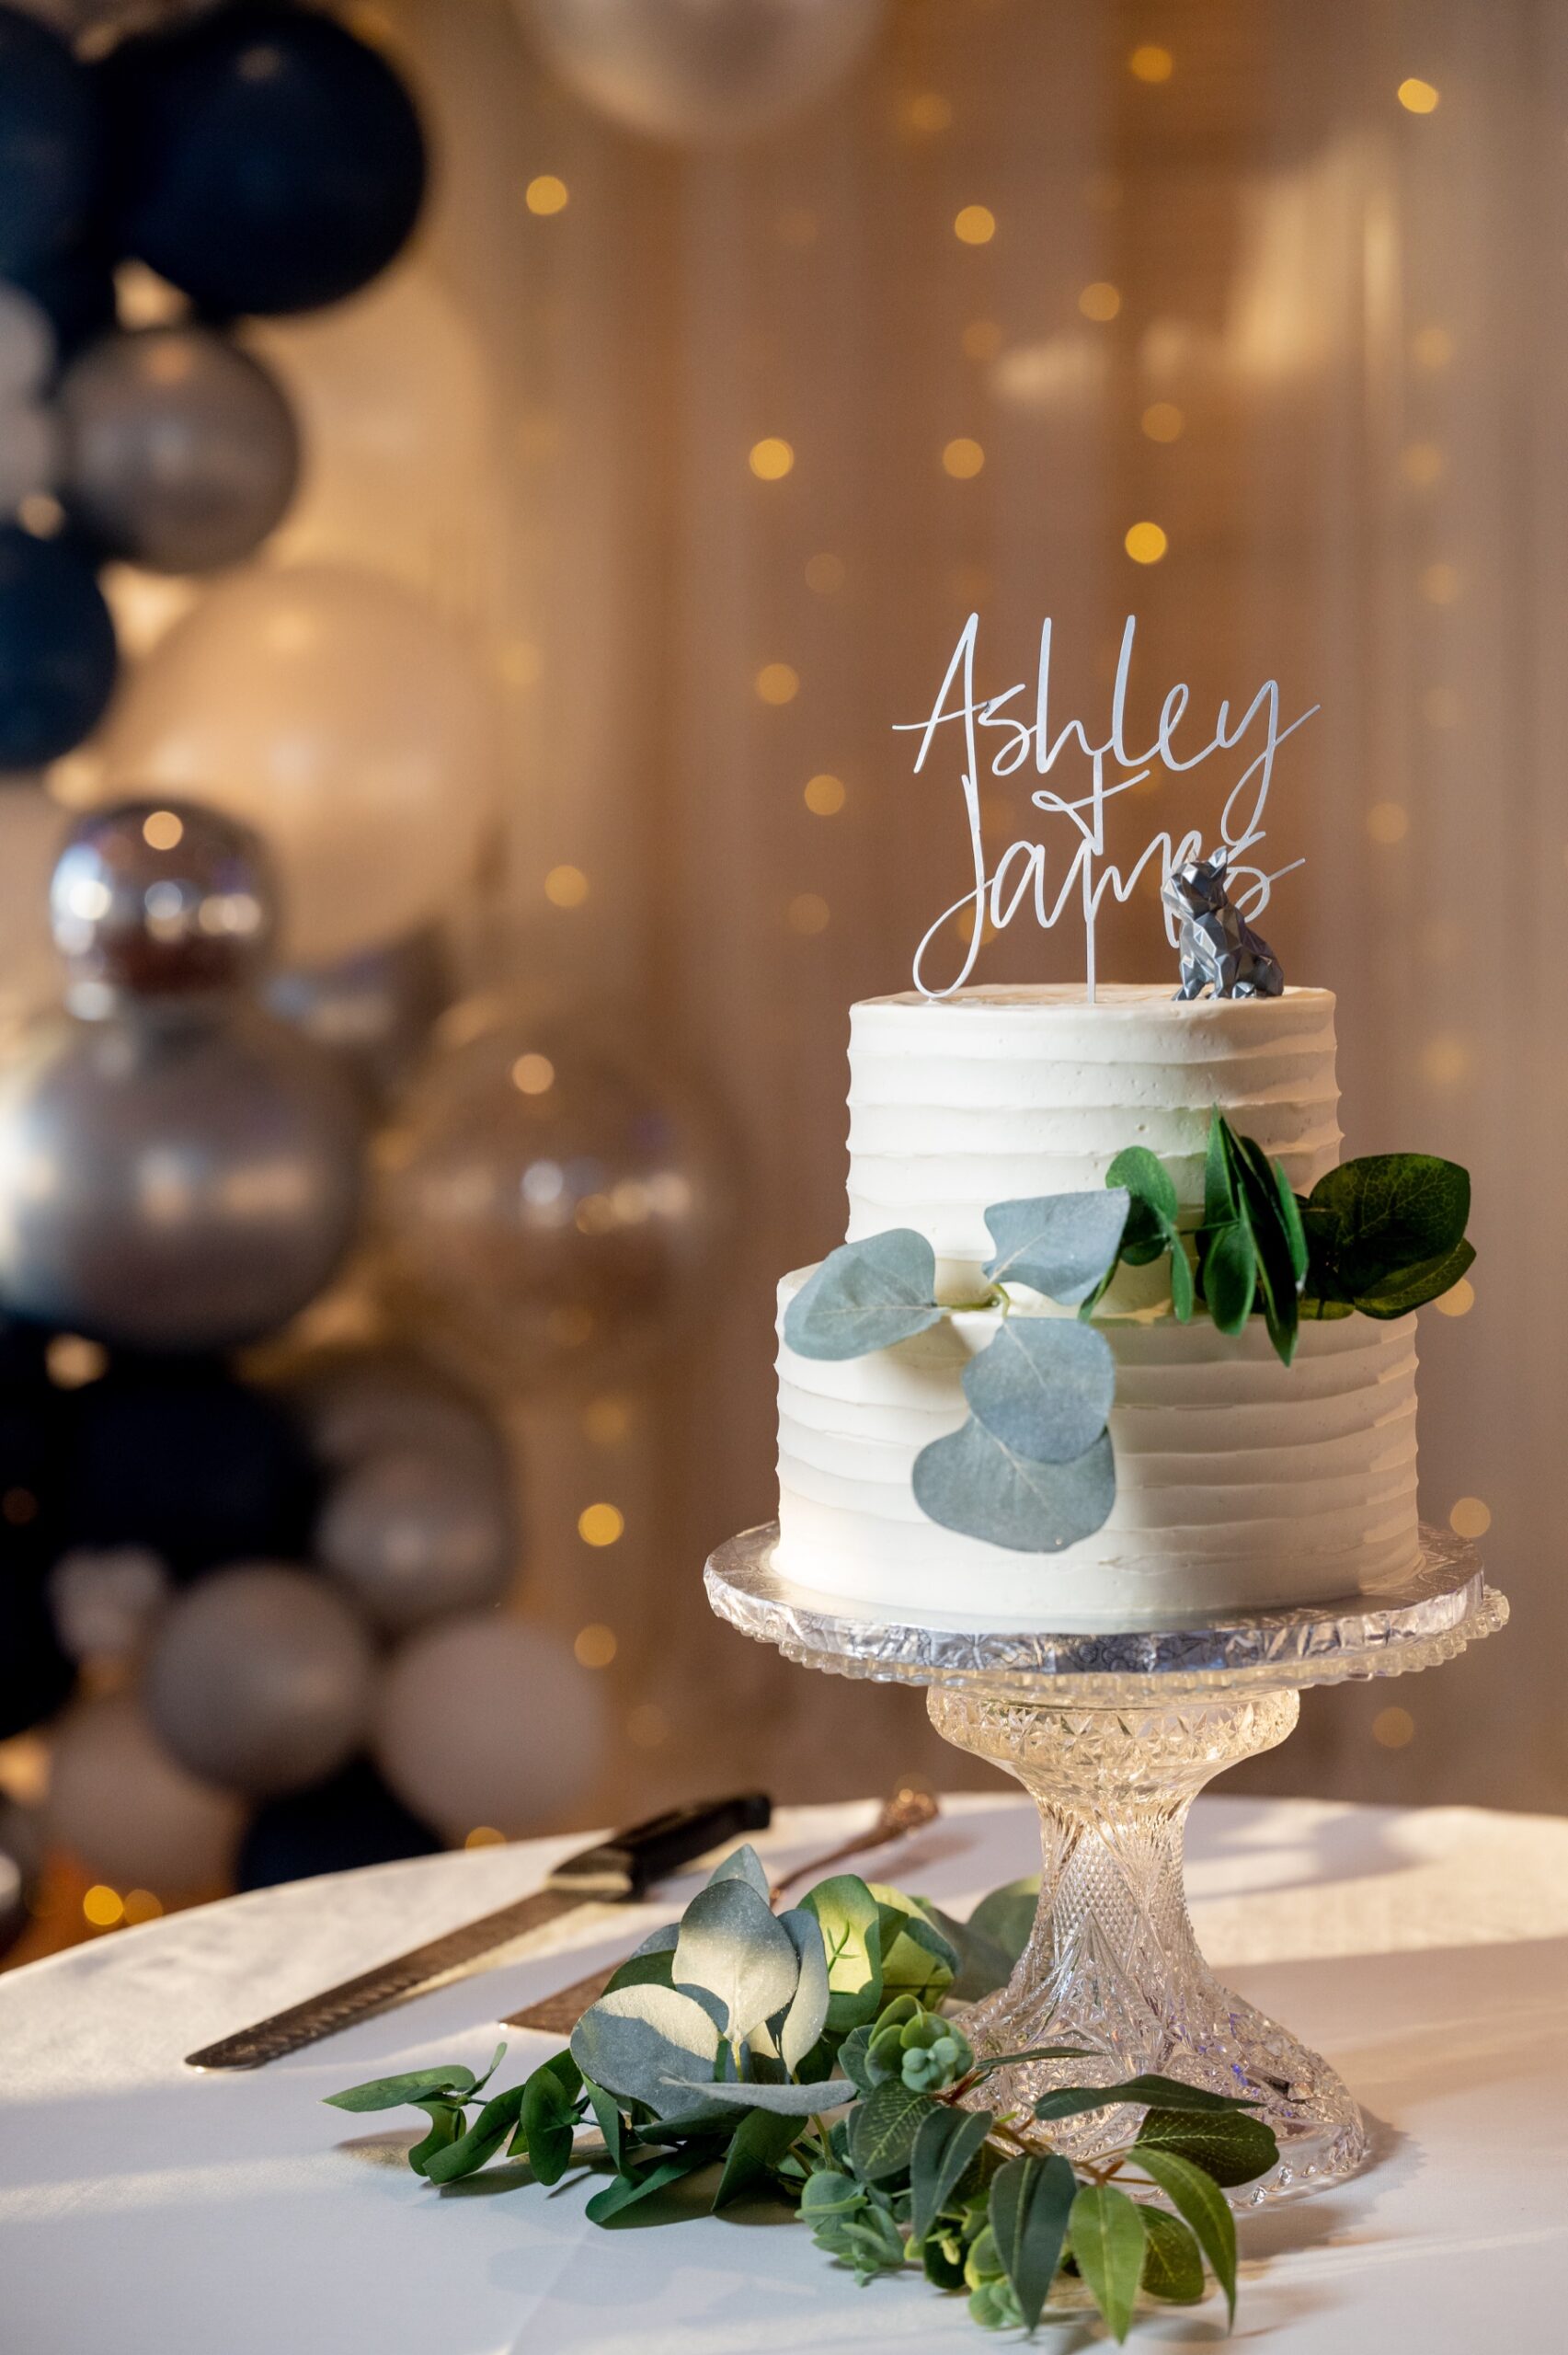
1240	1482
994	1094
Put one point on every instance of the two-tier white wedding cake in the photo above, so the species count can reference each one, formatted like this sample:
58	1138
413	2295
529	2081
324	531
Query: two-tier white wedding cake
1240	1481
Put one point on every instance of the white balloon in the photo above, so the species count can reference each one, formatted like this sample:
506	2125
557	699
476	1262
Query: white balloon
390	393
489	1720
32	829
341	718
128	1811
710	72
26	344
30	452
260	1679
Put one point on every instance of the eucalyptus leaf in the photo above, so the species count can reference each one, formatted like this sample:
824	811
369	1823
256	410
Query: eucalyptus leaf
1149	1182
1044	1387
808	2012
477	2143
1196	2197
983	1966
850	1921
1413	1287
644	1970
760	2143
1163	2093
626	2191
446	2126
642	2042
733	1949
946	2140
744	1864
883	2130
396	2092
1263	1191
780	2101
1231	2147
1031	2199
664	1940
1107	2248
1173	2263
972	1483
918	1959
608	2118
1184	1293
866	1297
547	2125
1229	1270
1390	1210
1061	1244
1007	1915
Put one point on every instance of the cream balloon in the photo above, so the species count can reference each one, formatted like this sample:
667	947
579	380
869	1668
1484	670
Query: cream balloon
341	718
33	829
127	1811
390	394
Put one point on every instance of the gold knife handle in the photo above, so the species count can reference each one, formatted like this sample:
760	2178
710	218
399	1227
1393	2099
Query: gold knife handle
387	1983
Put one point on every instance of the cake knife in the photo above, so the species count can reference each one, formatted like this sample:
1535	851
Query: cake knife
617	1871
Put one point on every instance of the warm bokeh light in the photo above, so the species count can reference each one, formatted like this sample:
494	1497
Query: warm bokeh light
534	1075
1416	96
975	224
1388	821
777	682
963	459
17	1507
1457	1300
1421	463
1445	1060
825	575
161	829
824	796
1164	421
771	458
566	887
103	1907
601	1525
595	1644
1151	63
1099	301
1146	543
1441	584
484	1835
1393	1728
71	1361
546	194
808	912
141	1906
925	113
606	1420
1467	1517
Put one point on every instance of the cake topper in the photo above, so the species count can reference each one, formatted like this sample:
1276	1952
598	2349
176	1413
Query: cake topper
1026	870
1220	949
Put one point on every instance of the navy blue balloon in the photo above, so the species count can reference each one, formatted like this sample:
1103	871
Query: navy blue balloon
57	654
35	1674
185	1460
76	292
51	141
351	1820
265	160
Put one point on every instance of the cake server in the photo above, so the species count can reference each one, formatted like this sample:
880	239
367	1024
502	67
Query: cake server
910	1809
617	1871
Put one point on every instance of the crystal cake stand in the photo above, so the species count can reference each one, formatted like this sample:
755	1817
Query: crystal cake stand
1113	1736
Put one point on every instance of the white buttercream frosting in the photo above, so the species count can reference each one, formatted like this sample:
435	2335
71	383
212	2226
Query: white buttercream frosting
1240	1482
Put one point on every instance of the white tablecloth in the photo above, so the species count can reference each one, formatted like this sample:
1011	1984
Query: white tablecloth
153	2212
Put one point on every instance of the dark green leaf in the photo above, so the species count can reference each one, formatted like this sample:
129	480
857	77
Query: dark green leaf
1172	2266
761	2141
1107	2248
994	2060
446	2125
983	1967
1007	1915
1291	1220
643	1970
1195	2195
627	2189
393	2093
971	1482
1183	1298
1148	1181
607	2115
1231	2147
1044	1387
1390	1211
481	2142
854	2058
1263	1193
865	1296
945	2141
1221	1204
883	2130
549	2117
918	1959
1413	1287
1165	2093
1031	2200
848	1917
1061	1244
1229	1270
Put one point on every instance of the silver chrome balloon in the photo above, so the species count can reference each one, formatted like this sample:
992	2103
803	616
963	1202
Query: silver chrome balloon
174	1184
387	1400
260	1680
179	451
412	1536
374	1012
160	899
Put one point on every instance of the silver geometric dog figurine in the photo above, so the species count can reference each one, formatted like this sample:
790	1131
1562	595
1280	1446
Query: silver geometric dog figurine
1219	950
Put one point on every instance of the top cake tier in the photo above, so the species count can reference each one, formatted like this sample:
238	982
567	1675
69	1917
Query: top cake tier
994	1094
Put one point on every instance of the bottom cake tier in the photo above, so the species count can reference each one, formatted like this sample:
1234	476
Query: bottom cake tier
1240	1483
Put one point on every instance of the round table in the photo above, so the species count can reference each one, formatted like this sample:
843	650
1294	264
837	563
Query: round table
157	2211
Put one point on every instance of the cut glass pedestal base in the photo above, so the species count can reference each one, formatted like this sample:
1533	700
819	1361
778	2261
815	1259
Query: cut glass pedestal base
1114	1735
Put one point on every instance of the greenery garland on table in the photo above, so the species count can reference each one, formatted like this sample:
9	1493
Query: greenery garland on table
1032	1467
805	2057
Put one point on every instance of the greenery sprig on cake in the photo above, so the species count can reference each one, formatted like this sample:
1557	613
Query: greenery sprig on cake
1032	1468
808	2058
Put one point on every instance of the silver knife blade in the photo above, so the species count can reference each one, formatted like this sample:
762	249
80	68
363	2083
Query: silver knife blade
616	1870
